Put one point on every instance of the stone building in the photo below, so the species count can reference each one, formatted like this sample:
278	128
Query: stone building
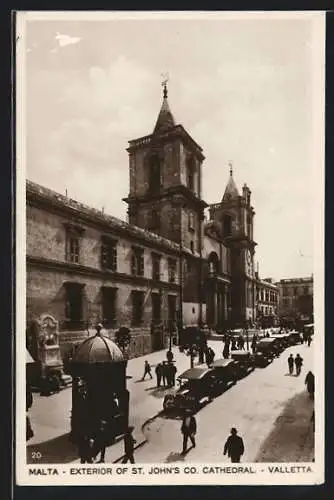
267	302
296	299
165	268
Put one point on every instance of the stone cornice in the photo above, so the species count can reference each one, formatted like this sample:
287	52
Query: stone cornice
78	269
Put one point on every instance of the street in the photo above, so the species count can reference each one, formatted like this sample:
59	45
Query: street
252	406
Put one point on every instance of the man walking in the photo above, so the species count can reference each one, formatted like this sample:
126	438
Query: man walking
299	364
147	370
291	363
129	446
188	429
234	446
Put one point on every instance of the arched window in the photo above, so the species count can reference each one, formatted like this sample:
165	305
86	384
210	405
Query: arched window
154	180
213	262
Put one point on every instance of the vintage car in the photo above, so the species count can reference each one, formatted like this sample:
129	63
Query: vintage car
244	362
266	350
282	341
295	338
197	387
225	374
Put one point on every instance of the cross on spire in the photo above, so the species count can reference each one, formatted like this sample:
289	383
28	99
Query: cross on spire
165	78
231	168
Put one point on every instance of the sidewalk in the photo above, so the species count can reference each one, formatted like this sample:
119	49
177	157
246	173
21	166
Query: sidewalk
50	416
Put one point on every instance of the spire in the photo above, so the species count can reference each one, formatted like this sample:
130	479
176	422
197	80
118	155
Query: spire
231	190
165	119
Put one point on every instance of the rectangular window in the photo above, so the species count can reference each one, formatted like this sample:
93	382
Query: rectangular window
191	221
108	254
72	247
156	259
109	295
171	270
156	307
154	220
137	262
137	307
74	304
171	308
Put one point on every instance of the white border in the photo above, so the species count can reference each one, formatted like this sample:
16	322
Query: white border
263	476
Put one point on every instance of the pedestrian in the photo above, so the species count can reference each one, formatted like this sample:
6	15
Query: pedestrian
29	402
158	372
173	371
226	351
129	446
85	448
164	373
189	430
291	363
233	345
253	344
147	370
310	384
299	364
100	441
309	340
234	446
169	356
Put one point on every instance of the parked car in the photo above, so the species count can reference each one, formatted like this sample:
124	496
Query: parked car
295	338
244	362
197	387
281	341
225	374
266	351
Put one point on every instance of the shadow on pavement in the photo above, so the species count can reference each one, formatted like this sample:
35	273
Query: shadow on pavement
59	450
292	437
157	392
176	457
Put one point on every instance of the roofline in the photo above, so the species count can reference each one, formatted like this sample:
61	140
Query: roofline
40	194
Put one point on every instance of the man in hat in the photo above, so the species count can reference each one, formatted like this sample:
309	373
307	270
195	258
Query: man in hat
129	446
188	429
291	363
234	446
299	364
147	370
158	372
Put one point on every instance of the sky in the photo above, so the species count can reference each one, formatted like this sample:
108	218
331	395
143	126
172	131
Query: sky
243	89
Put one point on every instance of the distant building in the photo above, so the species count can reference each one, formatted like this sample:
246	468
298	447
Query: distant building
296	299
267	302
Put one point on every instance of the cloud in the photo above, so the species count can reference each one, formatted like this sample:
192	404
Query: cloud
64	40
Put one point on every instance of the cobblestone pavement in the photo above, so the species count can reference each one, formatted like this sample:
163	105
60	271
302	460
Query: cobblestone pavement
50	416
252	406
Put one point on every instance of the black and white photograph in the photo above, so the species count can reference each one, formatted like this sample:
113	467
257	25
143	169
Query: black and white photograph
169	291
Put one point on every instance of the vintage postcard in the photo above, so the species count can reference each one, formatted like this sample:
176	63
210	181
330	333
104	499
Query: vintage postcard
170	248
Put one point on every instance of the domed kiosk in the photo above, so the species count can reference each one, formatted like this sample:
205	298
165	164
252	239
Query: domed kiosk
99	389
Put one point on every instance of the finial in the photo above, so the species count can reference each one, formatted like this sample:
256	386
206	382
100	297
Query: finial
231	168
165	78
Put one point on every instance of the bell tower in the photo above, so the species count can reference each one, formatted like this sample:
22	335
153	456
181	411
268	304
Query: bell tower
166	181
235	217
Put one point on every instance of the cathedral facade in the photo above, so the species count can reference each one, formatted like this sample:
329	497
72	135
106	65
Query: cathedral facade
167	267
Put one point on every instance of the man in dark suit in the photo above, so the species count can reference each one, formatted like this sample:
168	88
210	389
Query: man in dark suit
129	446
234	446
188	429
